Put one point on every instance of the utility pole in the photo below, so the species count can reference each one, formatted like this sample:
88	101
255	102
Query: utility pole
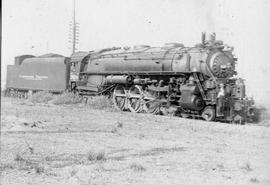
74	30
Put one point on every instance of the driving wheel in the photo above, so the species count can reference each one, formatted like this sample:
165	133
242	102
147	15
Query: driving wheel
120	98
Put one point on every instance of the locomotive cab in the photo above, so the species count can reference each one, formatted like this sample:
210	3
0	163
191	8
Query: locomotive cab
77	64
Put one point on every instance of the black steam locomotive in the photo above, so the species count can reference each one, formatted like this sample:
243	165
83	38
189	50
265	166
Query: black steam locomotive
188	81
196	82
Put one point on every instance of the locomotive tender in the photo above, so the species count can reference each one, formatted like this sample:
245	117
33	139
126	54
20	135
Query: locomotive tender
49	72
194	81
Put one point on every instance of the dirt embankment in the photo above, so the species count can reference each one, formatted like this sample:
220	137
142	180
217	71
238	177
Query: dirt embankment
77	144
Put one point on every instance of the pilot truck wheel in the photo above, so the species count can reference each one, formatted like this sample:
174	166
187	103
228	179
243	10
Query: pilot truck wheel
209	113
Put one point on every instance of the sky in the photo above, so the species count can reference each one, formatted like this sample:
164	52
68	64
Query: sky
42	26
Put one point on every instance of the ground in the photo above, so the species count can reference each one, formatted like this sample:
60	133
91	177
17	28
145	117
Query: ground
77	144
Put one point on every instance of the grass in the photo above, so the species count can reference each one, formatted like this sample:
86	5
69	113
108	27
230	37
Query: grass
96	102
247	167
39	169
119	124
114	130
73	172
6	166
96	156
100	102
45	97
254	180
66	98
18	157
41	97
26	164
137	167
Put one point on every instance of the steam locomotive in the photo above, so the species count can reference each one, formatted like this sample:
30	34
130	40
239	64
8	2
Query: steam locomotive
197	82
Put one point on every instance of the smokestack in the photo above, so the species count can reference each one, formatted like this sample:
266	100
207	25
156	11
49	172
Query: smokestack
203	38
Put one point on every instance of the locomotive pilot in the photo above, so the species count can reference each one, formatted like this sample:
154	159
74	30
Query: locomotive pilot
220	99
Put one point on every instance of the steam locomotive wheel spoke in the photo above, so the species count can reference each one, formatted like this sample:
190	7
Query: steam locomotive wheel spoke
135	105
119	98
152	107
120	95
135	100
120	102
209	113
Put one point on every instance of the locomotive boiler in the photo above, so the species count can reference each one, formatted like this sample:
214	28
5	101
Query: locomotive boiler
198	82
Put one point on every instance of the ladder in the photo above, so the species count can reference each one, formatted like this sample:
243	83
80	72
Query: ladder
199	85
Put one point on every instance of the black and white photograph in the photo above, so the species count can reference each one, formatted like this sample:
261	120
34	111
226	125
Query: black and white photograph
135	92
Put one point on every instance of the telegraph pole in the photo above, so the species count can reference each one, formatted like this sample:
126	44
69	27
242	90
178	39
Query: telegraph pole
74	30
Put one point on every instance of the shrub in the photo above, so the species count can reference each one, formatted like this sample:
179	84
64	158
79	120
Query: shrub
100	156
18	157
41	97
66	98
91	156
73	172
96	156
119	124
6	166
247	167
137	167
39	169
254	180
